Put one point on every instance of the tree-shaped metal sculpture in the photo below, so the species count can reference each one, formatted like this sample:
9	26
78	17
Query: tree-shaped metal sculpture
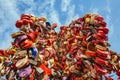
79	51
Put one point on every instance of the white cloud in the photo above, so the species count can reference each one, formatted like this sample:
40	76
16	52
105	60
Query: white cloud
52	2
81	8
32	6
94	10
64	5
28	2
8	16
71	14
108	19
108	6
110	25
54	18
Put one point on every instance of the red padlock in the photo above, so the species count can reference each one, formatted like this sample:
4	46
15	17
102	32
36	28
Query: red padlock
25	16
19	23
102	53
118	72
3	52
84	43
54	25
31	77
100	70
104	29
90	53
99	18
47	71
26	44
79	21
101	61
31	36
102	23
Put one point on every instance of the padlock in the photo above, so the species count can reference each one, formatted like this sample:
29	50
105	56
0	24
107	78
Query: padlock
25	16
50	51
17	34
4	52
32	75
87	20
34	51
10	75
103	36
31	36
114	58
39	70
104	29
33	62
7	69
92	71
47	71
101	61
19	55
114	67
3	58
101	47
84	43
118	72
19	23
33	18
100	70
90	53
72	69
99	18
87	16
92	20
22	62
11	50
24	72
91	46
26	44
2	72
21	38
102	53
1	66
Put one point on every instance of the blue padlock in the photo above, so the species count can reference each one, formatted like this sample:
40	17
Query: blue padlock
34	52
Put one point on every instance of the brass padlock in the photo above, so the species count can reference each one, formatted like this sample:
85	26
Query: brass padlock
15	35
10	75
22	62
33	62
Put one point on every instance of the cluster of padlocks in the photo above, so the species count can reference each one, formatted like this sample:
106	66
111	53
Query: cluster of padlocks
79	51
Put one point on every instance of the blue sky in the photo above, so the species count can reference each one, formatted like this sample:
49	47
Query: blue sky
60	11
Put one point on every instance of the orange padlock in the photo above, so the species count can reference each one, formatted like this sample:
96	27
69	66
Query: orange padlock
26	44
3	52
47	71
31	36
